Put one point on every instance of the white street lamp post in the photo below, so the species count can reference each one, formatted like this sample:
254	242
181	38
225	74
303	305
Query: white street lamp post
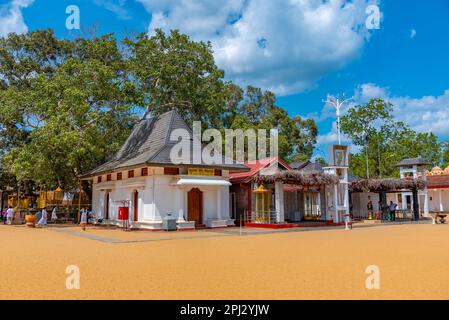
337	103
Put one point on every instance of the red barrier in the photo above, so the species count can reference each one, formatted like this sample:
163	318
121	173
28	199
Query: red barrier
123	213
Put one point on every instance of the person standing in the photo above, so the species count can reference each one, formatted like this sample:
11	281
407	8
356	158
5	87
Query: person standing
43	219
10	215
54	216
369	206
83	219
4	213
393	207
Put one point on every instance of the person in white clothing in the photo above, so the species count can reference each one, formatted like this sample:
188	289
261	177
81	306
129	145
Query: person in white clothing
43	219
10	215
54	217
83	219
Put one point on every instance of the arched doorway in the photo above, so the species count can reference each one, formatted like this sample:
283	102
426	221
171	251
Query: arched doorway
136	205
195	206
106	206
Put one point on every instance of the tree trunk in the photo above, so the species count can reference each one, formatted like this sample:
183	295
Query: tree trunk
415	203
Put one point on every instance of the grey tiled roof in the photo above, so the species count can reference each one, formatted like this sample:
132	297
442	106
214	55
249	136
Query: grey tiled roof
149	144
411	162
313	166
297	165
306	166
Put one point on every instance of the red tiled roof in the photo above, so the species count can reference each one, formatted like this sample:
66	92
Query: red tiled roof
255	167
440	181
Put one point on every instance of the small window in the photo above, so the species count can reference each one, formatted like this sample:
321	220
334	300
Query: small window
131	174
119	176
217	172
144	172
171	171
99	179
108	177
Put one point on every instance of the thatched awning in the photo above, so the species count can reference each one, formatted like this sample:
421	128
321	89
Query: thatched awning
310	178
387	184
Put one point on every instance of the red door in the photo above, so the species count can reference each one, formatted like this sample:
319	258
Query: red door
195	206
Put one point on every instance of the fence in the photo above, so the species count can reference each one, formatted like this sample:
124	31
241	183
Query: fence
259	216
364	215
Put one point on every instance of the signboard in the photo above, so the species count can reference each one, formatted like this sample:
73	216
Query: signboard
299	187
338	155
200	172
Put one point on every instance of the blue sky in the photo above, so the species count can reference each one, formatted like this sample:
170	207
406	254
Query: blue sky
302	50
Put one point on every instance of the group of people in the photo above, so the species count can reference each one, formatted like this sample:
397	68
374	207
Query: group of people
391	209
8	215
44	217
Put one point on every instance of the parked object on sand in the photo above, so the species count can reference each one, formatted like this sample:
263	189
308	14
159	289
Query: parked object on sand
30	220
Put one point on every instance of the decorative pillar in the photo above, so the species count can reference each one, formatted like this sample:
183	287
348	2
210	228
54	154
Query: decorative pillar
279	200
440	196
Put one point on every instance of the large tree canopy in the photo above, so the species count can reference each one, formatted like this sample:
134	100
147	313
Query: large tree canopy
67	105
386	142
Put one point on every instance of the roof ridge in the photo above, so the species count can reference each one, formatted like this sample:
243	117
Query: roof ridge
170	125
167	133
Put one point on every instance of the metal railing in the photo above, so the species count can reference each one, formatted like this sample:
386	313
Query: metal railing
260	216
364	215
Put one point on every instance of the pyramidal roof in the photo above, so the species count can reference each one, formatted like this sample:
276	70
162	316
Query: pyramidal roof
149	144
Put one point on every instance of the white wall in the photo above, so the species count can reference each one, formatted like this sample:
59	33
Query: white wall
360	201
434	203
167	197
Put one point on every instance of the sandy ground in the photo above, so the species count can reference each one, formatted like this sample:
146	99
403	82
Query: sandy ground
324	264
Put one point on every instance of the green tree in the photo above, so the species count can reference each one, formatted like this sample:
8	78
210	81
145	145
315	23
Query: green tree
257	110
384	141
67	105
172	71
68	113
445	154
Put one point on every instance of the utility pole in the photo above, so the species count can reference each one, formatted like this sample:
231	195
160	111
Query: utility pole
366	154
337	103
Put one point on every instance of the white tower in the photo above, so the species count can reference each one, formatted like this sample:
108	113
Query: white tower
338	195
414	168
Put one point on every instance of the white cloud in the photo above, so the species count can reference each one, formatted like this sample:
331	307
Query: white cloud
116	6
283	46
11	18
423	114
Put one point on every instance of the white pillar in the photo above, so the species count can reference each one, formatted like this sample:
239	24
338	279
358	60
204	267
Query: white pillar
219	200
336	215
346	198
279	200
440	199
426	204
404	202
179	195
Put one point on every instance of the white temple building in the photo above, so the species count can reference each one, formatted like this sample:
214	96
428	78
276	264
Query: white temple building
143	175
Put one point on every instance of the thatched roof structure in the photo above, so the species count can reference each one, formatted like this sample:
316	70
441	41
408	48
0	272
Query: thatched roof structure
387	184
299	177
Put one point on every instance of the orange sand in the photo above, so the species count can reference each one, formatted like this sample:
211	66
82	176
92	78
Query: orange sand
324	264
